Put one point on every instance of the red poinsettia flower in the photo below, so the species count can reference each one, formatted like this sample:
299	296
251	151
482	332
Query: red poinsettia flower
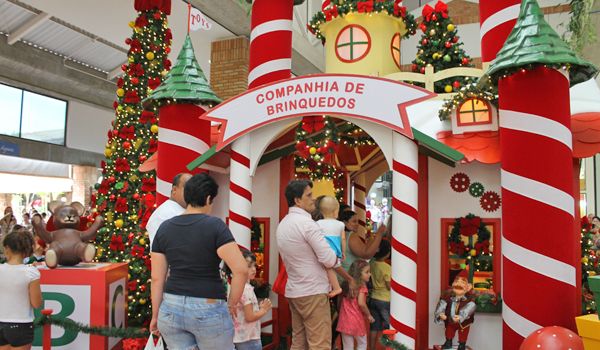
116	243
469	227
103	189
127	132
121	205
141	21
136	70
167	64
131	97
125	187
168	34
137	251
146	116
152	146
120	82
132	285
135	45
122	165
153	83
148	184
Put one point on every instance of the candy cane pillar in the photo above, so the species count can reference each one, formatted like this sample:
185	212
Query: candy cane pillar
270	60
538	266
360	193
403	306
497	18
183	137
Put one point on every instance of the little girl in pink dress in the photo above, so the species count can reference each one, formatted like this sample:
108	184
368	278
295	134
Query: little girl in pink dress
354	310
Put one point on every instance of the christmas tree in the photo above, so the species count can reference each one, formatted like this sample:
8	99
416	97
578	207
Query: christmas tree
126	196
589	267
440	47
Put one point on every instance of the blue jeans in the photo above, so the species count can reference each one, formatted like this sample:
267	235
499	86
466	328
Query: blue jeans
188	323
380	310
249	345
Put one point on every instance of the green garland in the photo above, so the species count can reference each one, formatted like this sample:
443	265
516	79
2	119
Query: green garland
111	332
392	344
581	27
345	7
488	93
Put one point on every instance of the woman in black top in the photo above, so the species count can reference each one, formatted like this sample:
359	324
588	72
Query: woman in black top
190	310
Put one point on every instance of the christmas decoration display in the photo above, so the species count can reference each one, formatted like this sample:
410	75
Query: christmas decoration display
332	9
182	96
472	90
126	197
392	344
531	58
460	182
440	47
67	245
117	332
456	311
589	268
477	253
552	337
490	201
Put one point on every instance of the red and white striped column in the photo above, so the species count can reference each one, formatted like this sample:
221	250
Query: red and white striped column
270	60
183	137
360	195
538	262
497	18
403	303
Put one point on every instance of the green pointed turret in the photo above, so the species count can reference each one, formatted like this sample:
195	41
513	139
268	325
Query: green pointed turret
185	81
532	41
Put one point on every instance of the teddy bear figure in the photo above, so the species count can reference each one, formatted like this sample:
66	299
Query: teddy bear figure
67	245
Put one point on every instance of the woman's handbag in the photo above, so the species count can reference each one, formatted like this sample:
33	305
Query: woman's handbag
281	280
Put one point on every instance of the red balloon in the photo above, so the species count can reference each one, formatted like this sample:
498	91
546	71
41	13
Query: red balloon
551	338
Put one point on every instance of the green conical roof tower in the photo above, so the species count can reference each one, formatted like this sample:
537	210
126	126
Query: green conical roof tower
185	81
532	41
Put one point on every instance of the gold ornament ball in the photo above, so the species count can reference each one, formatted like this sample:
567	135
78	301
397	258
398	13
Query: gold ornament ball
164	72
473	252
107	152
120	92
448	88
432	32
142	241
143	301
150	55
592	273
154	129
312	150
131	24
584	260
450	27
131	59
118	223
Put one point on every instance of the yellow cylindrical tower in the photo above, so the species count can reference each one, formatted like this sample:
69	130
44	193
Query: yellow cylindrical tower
363	43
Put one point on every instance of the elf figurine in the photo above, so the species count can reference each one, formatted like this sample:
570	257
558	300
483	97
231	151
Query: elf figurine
456	310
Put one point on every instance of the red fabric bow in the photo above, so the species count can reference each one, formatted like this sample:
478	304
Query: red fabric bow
302	149
399	10
146	116
365	6
325	4
469	227
153	83
137	251
442	8
131	97
141	21
331	13
427	12
145	5
313	124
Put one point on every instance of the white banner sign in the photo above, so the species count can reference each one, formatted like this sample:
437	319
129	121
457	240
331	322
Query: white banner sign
198	20
379	100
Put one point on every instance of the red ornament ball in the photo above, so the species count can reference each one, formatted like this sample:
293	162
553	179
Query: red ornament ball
142	288
465	60
434	17
448	44
135	81
456	84
455	39
423	27
167	49
111	198
414	67
422	70
551	338
424	41
142	158
128	41
127	145
115	132
157	15
136	196
111	179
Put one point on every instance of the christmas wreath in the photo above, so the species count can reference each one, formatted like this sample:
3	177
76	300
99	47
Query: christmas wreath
468	226
339	8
